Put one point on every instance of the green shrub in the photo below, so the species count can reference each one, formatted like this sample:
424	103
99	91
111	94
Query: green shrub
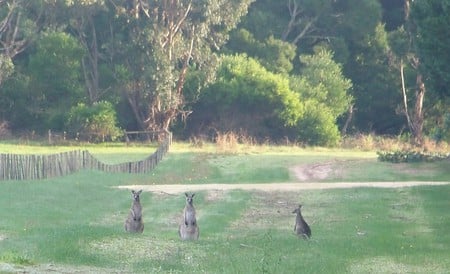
94	123
317	127
410	156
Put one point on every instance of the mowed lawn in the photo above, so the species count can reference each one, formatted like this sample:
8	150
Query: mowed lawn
75	223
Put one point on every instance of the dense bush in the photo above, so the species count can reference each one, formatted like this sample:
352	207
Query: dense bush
410	156
246	96
317	126
94	123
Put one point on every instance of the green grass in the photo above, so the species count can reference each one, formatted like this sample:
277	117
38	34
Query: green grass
75	223
267	164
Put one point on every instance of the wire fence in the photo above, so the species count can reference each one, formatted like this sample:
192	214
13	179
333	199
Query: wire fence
33	167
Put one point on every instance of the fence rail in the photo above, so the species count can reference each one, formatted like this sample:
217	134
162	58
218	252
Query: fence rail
32	167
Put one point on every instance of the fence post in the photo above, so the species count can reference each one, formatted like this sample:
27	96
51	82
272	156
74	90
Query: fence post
30	167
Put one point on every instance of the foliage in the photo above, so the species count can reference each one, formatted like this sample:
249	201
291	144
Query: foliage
160	43
20	22
376	86
260	101
55	78
409	156
323	90
329	85
317	126
430	19
6	67
97	122
16	102
441	132
274	54
152	60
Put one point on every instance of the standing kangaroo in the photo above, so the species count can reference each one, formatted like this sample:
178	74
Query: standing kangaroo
188	229
134	222
301	228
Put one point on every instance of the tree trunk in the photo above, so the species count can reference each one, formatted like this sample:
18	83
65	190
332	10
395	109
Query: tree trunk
348	120
415	121
418	110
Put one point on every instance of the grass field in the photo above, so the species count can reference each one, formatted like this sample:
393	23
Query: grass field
75	223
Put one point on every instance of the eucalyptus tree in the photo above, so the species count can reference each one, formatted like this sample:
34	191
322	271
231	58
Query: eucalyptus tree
404	56
90	22
156	44
430	21
347	27
432	34
18	25
21	24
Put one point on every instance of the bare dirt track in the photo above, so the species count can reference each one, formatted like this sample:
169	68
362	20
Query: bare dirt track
306	177
296	186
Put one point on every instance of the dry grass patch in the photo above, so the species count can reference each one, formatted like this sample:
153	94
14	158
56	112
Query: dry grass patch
390	265
134	248
111	219
273	210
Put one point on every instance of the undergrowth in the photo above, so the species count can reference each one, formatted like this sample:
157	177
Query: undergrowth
411	156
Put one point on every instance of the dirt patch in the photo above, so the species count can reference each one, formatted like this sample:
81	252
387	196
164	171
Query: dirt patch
312	172
176	189
214	195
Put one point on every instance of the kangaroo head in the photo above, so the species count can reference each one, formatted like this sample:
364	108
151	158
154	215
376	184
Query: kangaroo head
189	198
136	194
298	209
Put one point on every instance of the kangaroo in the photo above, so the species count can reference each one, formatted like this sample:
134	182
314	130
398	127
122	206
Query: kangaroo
134	222
301	228
188	229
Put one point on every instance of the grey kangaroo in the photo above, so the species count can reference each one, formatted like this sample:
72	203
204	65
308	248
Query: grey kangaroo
134	222
188	229
301	228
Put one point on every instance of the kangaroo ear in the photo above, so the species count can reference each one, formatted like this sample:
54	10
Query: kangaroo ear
193	194
132	191
140	191
185	194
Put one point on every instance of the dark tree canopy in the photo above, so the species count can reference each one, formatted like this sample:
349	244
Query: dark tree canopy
431	22
308	70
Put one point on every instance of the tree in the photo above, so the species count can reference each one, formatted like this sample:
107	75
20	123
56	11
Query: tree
157	43
276	55
324	91
55	78
21	22
247	97
375	87
404	57
432	36
89	21
15	33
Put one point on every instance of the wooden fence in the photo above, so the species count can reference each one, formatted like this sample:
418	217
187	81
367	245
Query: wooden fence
32	167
